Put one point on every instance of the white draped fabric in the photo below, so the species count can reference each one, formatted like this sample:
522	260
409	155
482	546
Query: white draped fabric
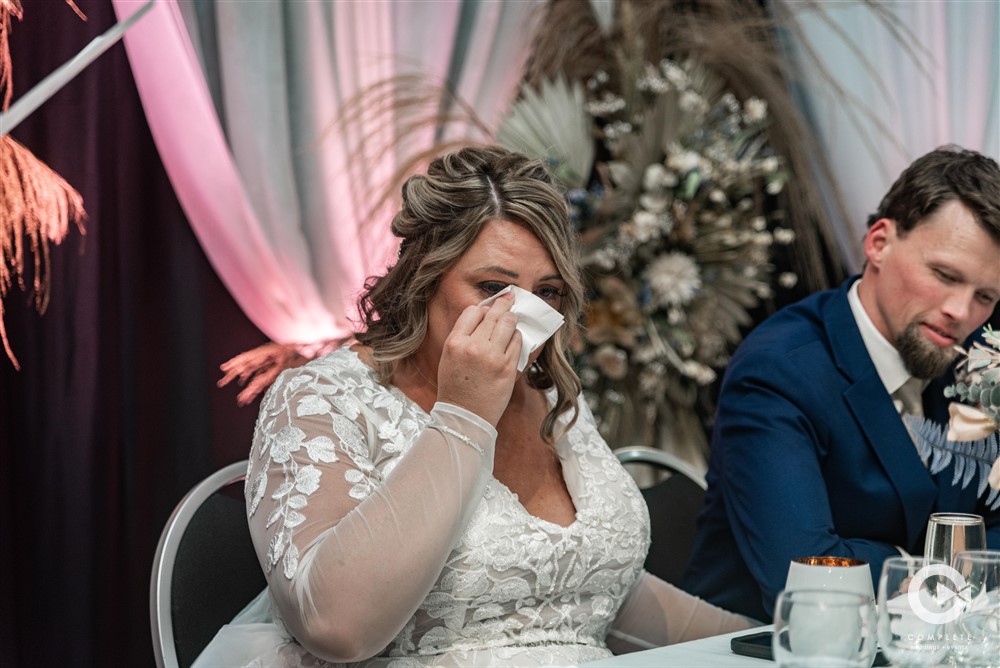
241	99
936	83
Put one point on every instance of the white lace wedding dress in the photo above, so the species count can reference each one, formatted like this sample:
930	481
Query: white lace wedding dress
383	534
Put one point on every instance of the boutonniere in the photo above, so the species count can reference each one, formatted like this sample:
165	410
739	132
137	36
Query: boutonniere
972	436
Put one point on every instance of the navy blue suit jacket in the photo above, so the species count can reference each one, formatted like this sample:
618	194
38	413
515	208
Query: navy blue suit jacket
809	457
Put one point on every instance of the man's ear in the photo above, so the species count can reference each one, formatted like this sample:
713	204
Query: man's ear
878	239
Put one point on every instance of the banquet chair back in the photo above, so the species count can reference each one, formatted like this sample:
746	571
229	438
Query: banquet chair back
674	504
205	569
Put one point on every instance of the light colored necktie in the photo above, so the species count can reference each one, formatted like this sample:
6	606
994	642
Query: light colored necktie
908	400
909	397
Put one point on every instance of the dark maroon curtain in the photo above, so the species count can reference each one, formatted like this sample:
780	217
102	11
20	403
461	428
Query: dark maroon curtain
115	413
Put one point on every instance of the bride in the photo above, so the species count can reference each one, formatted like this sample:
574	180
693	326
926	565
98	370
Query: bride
416	500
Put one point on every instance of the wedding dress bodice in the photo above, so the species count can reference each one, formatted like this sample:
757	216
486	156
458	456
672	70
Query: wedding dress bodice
513	585
386	541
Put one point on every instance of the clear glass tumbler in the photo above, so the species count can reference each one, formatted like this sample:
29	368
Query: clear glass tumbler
916	602
974	637
823	628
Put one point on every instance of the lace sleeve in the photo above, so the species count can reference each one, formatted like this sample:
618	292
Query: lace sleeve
656	613
353	536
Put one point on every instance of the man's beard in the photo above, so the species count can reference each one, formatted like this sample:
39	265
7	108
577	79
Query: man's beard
922	358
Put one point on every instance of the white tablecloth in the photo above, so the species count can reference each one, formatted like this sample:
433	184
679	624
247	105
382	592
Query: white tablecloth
711	652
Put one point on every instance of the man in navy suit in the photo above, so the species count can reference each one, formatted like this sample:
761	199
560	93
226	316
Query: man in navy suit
810	455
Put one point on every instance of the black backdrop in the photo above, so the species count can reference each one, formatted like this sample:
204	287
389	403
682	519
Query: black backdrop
115	413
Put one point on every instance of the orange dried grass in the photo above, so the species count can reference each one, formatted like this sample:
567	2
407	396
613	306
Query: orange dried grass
36	204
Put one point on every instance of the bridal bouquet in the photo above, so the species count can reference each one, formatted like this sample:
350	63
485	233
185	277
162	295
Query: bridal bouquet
670	179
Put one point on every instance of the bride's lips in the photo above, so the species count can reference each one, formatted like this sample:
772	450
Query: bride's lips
939	336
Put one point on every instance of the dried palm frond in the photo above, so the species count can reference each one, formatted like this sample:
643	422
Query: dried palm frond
552	122
385	123
8	8
36	204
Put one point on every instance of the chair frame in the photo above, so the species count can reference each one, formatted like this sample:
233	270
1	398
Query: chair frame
642	454
161	580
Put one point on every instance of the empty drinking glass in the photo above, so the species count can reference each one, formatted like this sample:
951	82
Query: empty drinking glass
951	533
975	635
823	628
915	604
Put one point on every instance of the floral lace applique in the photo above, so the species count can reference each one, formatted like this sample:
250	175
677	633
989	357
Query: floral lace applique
512	580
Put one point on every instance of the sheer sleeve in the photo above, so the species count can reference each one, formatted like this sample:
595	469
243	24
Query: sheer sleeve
656	613
354	506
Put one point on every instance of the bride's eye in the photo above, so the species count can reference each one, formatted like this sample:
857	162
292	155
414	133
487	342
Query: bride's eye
491	287
549	294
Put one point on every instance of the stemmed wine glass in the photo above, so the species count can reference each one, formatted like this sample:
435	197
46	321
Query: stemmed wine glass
951	533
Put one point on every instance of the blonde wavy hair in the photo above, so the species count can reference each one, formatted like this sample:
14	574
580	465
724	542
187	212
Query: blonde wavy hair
442	213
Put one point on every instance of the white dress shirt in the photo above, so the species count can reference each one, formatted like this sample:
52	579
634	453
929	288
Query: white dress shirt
904	389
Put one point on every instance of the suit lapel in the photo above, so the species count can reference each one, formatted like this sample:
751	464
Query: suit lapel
877	417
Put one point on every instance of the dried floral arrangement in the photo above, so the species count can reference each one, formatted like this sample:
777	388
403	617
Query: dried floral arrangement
36	204
684	161
676	225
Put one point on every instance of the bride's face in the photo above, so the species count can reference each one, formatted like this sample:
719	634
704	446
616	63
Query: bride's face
504	253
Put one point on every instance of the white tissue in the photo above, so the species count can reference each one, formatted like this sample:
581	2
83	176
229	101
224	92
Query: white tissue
536	320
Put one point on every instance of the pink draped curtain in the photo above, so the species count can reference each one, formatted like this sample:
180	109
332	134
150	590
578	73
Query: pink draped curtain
269	186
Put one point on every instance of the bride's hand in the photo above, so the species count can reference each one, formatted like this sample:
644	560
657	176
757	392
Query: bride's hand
479	360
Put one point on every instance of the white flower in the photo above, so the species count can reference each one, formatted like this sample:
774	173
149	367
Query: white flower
700	373
758	223
655	203
691	102
674	74
654	176
617	129
787	279
755	109
684	162
602	258
651	81
783	235
645	226
674	278
612	361
644	354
